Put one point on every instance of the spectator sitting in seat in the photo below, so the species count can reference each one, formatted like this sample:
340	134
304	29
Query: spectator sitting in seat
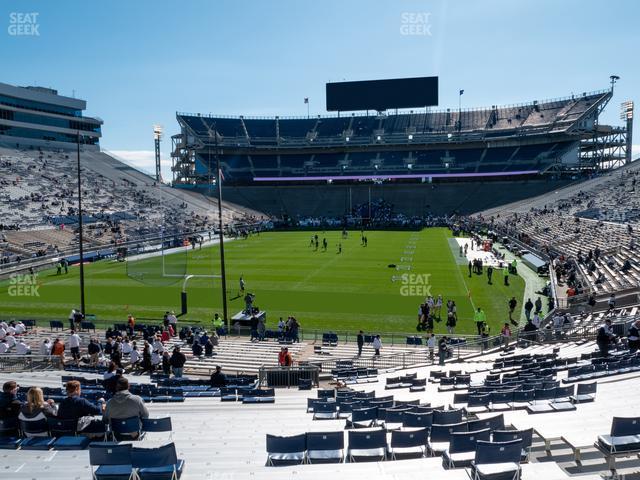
166	363
20	328
36	409
57	349
208	348
125	405
93	349
9	403
197	349
134	357
22	348
125	347
111	371
218	379
110	383
4	348
45	347
156	358
74	406
164	336
288	359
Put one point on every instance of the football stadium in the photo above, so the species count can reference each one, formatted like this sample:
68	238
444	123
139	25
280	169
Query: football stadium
289	240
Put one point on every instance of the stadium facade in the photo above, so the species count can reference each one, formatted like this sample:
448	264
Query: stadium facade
523	147
39	117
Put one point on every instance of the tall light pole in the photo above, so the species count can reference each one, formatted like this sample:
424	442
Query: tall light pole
80	228
626	114
223	275
157	136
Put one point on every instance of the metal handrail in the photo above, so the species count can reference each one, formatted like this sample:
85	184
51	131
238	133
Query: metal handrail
416	111
22	363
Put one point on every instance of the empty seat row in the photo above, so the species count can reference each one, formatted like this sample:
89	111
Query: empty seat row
465	449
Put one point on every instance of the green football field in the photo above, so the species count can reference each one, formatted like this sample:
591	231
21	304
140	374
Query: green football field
325	290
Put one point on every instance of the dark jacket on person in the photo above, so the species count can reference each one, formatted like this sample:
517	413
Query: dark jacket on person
218	379
9	405
93	348
75	407
178	360
360	339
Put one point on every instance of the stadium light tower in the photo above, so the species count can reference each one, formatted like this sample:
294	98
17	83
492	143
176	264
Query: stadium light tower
157	136
614	79
626	114
225	310
80	229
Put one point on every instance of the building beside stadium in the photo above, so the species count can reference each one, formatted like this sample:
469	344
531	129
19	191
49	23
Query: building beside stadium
39	117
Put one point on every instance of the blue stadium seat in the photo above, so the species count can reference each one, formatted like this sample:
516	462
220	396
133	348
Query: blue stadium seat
326	393
71	443
125	429
418	385
497	461
624	436
522	398
113	461
447	416
495	422
586	392
416	419
286	450
508	435
462	448
394	418
9	427
440	436
38	428
9	443
368	444
157	425
408	443
57	324
363	417
160	463
325	411
477	403
325	447
259	395
501	400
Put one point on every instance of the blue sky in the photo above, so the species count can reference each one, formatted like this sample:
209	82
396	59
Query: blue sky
137	62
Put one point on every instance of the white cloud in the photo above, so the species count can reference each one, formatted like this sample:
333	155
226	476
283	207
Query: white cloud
144	160
635	151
